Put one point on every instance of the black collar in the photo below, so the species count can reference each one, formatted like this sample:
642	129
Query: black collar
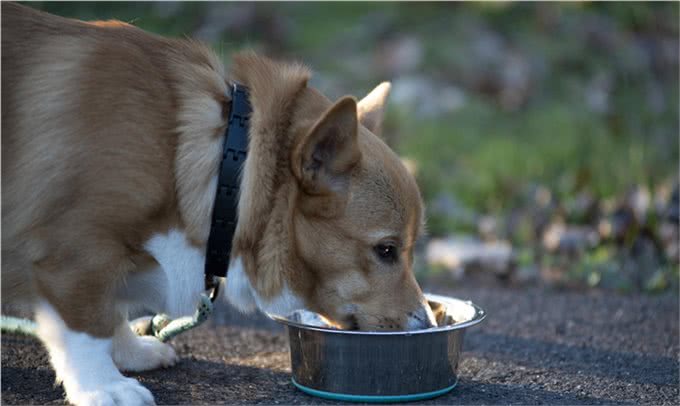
225	209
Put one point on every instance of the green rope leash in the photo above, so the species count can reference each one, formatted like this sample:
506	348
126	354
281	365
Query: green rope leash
160	325
164	328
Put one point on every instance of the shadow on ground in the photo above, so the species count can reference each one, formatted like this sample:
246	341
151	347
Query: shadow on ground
536	347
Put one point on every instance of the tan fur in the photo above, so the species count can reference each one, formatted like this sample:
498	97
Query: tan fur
383	204
273	91
372	108
319	252
90	125
111	134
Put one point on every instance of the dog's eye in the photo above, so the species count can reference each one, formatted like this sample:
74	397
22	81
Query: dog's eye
386	252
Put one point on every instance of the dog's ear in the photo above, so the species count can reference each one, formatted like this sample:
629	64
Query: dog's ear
371	108
323	160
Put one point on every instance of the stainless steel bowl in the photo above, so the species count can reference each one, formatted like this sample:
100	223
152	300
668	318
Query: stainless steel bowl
387	366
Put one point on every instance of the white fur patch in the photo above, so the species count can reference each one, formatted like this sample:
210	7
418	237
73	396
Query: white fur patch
140	353
84	364
240	293
183	267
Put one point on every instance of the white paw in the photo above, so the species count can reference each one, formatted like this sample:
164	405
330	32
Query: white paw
84	364
143	353
119	392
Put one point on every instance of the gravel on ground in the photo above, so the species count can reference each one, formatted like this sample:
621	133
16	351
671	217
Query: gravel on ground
537	345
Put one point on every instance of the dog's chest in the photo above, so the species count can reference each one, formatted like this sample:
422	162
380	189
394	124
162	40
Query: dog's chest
181	266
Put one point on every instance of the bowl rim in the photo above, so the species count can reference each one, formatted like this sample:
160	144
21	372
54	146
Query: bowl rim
479	315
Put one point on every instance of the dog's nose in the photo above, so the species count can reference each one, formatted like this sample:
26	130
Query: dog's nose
421	318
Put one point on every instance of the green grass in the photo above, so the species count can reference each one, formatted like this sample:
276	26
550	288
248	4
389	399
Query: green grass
484	155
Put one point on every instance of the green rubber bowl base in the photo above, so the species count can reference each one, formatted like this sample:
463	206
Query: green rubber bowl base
373	398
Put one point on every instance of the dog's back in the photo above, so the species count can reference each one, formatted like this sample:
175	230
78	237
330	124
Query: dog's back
87	117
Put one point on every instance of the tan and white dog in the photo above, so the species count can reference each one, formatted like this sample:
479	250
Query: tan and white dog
111	143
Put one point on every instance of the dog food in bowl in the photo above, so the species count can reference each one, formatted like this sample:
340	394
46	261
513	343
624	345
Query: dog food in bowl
311	319
379	366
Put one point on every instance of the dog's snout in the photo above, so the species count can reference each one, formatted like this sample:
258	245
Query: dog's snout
421	318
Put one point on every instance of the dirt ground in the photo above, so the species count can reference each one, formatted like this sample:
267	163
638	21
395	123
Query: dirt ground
536	346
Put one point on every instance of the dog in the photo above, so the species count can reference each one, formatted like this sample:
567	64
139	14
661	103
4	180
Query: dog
111	146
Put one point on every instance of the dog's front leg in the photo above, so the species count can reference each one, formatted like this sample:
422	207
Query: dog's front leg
134	353
85	364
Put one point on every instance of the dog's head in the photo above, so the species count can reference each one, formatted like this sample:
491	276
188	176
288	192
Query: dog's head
359	213
349	208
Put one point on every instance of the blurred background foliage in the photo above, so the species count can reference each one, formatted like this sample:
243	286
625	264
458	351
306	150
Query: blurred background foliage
544	135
